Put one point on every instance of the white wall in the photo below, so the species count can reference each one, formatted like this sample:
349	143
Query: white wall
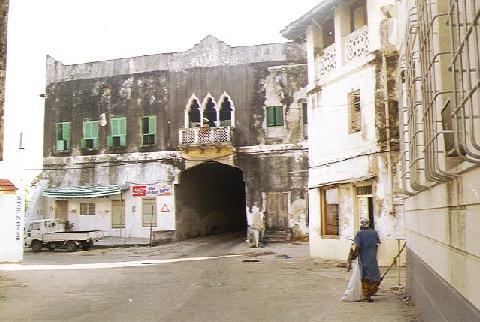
445	236
11	228
102	220
328	135
337	156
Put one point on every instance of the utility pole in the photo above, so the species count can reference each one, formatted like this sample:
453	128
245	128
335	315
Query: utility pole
151	225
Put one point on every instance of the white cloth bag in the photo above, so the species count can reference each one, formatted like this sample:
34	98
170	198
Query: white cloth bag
353	293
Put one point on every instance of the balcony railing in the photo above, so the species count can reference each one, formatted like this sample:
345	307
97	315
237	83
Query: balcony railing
356	43
327	60
205	136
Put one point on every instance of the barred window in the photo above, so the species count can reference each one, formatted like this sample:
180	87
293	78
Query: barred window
355	112
87	209
441	96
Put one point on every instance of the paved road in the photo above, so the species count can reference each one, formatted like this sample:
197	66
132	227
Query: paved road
283	285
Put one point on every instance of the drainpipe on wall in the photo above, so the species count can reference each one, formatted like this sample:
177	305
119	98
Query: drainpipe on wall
387	129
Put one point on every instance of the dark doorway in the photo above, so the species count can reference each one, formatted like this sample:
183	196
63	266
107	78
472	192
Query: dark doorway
210	199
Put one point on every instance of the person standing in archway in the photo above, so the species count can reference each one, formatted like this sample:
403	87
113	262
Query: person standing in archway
367	242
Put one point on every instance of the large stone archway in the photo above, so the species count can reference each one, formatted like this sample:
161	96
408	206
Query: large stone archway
210	199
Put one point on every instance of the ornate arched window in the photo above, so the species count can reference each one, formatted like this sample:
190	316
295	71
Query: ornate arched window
227	110
192	112
209	111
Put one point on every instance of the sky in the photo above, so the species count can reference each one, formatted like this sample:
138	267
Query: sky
79	31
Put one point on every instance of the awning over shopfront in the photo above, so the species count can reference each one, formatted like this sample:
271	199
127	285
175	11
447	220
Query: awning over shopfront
96	191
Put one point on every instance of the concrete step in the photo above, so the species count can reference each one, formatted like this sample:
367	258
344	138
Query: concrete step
276	236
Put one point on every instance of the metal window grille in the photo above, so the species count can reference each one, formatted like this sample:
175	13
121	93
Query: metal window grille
87	209
355	112
440	93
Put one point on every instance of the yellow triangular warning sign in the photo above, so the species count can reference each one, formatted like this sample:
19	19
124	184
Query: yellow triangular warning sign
164	208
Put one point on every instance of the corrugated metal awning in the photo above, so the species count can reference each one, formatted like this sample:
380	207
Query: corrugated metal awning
95	191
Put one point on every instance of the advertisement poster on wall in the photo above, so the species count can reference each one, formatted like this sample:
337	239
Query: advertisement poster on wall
150	190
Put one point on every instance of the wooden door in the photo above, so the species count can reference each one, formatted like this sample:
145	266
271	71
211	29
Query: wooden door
61	210
277	210
118	214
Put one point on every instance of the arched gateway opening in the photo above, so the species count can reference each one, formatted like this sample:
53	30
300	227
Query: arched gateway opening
210	199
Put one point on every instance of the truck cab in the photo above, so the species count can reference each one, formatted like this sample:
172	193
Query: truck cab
36	229
50	233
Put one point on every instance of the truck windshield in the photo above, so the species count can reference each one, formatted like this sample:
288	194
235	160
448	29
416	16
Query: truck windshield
34	226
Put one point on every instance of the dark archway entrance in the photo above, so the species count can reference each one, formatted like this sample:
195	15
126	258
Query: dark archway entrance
210	199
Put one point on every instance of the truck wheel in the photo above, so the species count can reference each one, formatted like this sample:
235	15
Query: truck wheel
36	246
51	246
71	246
87	245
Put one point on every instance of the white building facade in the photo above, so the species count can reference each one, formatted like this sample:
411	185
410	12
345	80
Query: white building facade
440	66
352	130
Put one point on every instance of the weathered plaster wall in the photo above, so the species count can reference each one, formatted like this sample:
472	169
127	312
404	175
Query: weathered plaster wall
165	94
282	171
3	65
209	52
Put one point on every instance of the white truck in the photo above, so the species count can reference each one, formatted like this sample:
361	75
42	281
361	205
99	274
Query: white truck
51	234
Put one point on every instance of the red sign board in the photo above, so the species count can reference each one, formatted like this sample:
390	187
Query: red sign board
139	191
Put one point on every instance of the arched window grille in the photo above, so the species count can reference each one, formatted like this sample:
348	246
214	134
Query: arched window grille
209	111
227	110
192	112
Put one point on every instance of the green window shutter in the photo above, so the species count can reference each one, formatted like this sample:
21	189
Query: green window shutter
140	127
60	145
146	133
118	129
152	125
66	134
90	131
279	115
118	126
59	131
122	126
270	116
114	126
87	130
94	129
109	141
66	130
123	131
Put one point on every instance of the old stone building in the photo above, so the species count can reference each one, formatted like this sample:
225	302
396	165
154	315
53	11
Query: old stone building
182	144
353	128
